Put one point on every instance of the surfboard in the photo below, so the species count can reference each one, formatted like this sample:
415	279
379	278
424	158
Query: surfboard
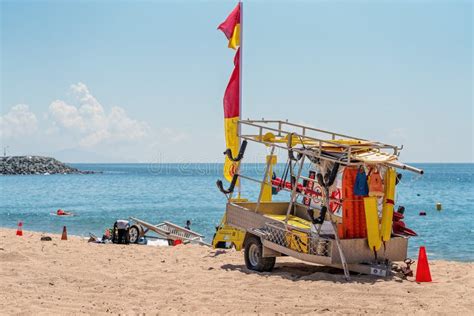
372	222
292	220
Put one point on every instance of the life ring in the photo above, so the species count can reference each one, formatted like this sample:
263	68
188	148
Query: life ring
335	201
318	194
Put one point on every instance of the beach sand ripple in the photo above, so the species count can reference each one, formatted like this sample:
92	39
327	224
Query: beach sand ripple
73	276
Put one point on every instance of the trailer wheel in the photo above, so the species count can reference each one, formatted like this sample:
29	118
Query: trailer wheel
134	234
253	256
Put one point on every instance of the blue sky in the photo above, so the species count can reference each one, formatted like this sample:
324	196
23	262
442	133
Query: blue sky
136	81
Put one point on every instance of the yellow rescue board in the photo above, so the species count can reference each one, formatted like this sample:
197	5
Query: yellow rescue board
296	240
387	211
372	222
329	145
292	220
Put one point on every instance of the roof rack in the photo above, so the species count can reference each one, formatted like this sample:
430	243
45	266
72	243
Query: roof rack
316	143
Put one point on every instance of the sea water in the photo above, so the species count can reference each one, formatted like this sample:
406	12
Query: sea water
178	192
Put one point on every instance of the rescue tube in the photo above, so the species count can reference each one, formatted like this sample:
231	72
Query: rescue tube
388	204
372	222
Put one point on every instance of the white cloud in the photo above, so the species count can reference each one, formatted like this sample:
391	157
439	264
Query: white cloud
67	115
91	122
173	135
18	122
81	129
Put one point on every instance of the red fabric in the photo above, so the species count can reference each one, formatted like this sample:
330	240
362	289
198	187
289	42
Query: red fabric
231	95
348	219
309	186
353	210
299	187
227	27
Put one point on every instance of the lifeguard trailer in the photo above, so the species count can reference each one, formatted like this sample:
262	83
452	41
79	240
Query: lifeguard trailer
314	225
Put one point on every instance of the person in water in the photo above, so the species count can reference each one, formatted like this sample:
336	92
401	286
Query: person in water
60	212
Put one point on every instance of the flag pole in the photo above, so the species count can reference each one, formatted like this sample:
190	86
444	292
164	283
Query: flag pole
241	57
241	42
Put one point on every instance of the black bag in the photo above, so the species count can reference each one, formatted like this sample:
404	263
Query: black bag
121	235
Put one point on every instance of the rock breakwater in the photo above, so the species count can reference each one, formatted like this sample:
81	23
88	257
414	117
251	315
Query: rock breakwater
17	165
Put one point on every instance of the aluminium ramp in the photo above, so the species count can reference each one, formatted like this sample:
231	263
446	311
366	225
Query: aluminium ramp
172	231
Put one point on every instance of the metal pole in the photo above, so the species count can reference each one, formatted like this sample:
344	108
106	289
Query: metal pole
341	253
241	59
239	186
241	40
336	237
293	192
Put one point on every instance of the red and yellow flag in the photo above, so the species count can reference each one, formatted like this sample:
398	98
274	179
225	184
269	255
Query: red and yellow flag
231	28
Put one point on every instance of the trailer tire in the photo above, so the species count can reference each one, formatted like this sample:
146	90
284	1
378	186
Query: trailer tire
134	234
253	256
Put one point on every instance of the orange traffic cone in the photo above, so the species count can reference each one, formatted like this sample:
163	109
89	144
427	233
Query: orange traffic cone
64	235
19	231
423	268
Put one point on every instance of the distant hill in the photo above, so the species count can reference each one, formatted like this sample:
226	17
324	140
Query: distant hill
16	165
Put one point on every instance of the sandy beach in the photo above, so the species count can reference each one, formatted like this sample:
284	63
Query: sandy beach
73	276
